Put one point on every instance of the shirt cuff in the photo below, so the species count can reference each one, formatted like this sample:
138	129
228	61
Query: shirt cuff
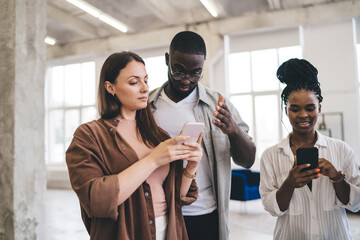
104	195
354	199
271	204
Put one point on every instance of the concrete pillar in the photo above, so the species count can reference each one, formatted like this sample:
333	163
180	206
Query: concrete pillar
22	165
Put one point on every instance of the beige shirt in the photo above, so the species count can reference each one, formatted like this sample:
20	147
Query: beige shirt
96	154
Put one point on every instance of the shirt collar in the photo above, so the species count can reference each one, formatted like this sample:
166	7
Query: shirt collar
202	94
285	143
153	98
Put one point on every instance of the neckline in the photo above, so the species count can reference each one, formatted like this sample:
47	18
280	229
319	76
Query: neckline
191	98
291	143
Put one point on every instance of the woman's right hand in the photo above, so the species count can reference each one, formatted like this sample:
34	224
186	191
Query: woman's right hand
298	178
169	151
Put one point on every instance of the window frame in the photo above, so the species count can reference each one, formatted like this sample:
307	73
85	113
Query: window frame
49	157
250	42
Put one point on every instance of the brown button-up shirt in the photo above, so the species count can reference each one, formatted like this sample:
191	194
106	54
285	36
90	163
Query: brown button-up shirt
95	156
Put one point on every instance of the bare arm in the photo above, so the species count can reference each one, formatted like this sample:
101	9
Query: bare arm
191	167
342	188
296	179
132	177
242	149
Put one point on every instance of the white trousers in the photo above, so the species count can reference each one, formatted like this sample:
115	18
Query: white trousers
161	227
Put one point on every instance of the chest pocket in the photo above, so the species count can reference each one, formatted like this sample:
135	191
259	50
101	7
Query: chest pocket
303	197
220	144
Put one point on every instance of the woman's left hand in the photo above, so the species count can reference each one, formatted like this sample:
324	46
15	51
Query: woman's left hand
327	169
195	156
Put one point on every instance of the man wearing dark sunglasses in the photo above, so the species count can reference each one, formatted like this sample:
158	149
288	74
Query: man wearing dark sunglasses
184	99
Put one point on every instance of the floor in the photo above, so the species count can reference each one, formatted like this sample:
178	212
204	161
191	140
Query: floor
248	220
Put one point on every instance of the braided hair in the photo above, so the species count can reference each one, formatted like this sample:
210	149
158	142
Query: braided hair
298	74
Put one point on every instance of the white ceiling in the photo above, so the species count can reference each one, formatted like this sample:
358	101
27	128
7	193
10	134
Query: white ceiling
68	24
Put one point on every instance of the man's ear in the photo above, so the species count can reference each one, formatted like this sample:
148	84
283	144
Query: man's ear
167	59
109	87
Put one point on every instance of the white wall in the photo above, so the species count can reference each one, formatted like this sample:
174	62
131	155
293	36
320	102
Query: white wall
330	47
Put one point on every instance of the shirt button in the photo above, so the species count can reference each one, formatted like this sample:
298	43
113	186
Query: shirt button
150	222
146	194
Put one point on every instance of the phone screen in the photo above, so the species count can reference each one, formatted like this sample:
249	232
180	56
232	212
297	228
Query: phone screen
192	129
308	155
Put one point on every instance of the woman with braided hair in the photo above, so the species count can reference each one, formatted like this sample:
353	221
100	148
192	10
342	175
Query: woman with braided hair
309	204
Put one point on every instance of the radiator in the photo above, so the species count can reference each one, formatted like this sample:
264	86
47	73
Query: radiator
58	178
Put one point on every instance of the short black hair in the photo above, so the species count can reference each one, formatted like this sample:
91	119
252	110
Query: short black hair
298	74
188	42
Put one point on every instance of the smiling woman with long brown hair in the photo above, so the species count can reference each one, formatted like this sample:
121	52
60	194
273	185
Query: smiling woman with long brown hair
126	171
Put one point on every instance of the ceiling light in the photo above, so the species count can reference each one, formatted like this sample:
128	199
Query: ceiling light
50	40
209	7
86	7
99	14
113	22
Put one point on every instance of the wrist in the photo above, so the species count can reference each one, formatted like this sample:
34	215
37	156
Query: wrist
190	173
289	184
340	176
191	166
237	131
151	162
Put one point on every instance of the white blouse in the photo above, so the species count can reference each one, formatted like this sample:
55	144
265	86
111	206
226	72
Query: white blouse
316	214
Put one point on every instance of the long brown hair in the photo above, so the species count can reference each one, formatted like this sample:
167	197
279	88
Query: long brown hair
109	106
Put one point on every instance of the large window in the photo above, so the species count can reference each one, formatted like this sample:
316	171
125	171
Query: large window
70	100
157	71
71	92
255	92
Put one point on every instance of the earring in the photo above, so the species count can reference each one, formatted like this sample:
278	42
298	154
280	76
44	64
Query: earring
113	94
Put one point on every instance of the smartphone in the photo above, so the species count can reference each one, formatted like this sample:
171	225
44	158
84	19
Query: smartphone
192	129
308	155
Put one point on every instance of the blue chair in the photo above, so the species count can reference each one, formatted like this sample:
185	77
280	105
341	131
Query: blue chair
244	185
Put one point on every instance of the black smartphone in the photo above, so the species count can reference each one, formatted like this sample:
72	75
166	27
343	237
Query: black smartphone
308	155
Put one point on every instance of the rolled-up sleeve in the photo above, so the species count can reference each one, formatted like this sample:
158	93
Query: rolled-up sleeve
97	190
192	194
267	186
352	176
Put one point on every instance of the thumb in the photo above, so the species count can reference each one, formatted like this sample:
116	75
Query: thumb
295	162
221	101
177	139
200	137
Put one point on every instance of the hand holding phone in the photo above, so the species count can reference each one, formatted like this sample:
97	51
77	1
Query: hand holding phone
192	129
308	155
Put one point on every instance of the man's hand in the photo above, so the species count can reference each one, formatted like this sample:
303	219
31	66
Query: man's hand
224	119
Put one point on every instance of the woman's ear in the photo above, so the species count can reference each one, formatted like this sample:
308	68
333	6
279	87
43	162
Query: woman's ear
319	108
110	88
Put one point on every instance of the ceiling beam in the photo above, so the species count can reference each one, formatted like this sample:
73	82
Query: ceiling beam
162	10
249	22
274	4
220	9
288	17
72	22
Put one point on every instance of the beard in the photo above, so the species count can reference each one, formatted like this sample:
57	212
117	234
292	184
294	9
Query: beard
179	93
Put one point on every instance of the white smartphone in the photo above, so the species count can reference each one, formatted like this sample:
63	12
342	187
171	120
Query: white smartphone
192	129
